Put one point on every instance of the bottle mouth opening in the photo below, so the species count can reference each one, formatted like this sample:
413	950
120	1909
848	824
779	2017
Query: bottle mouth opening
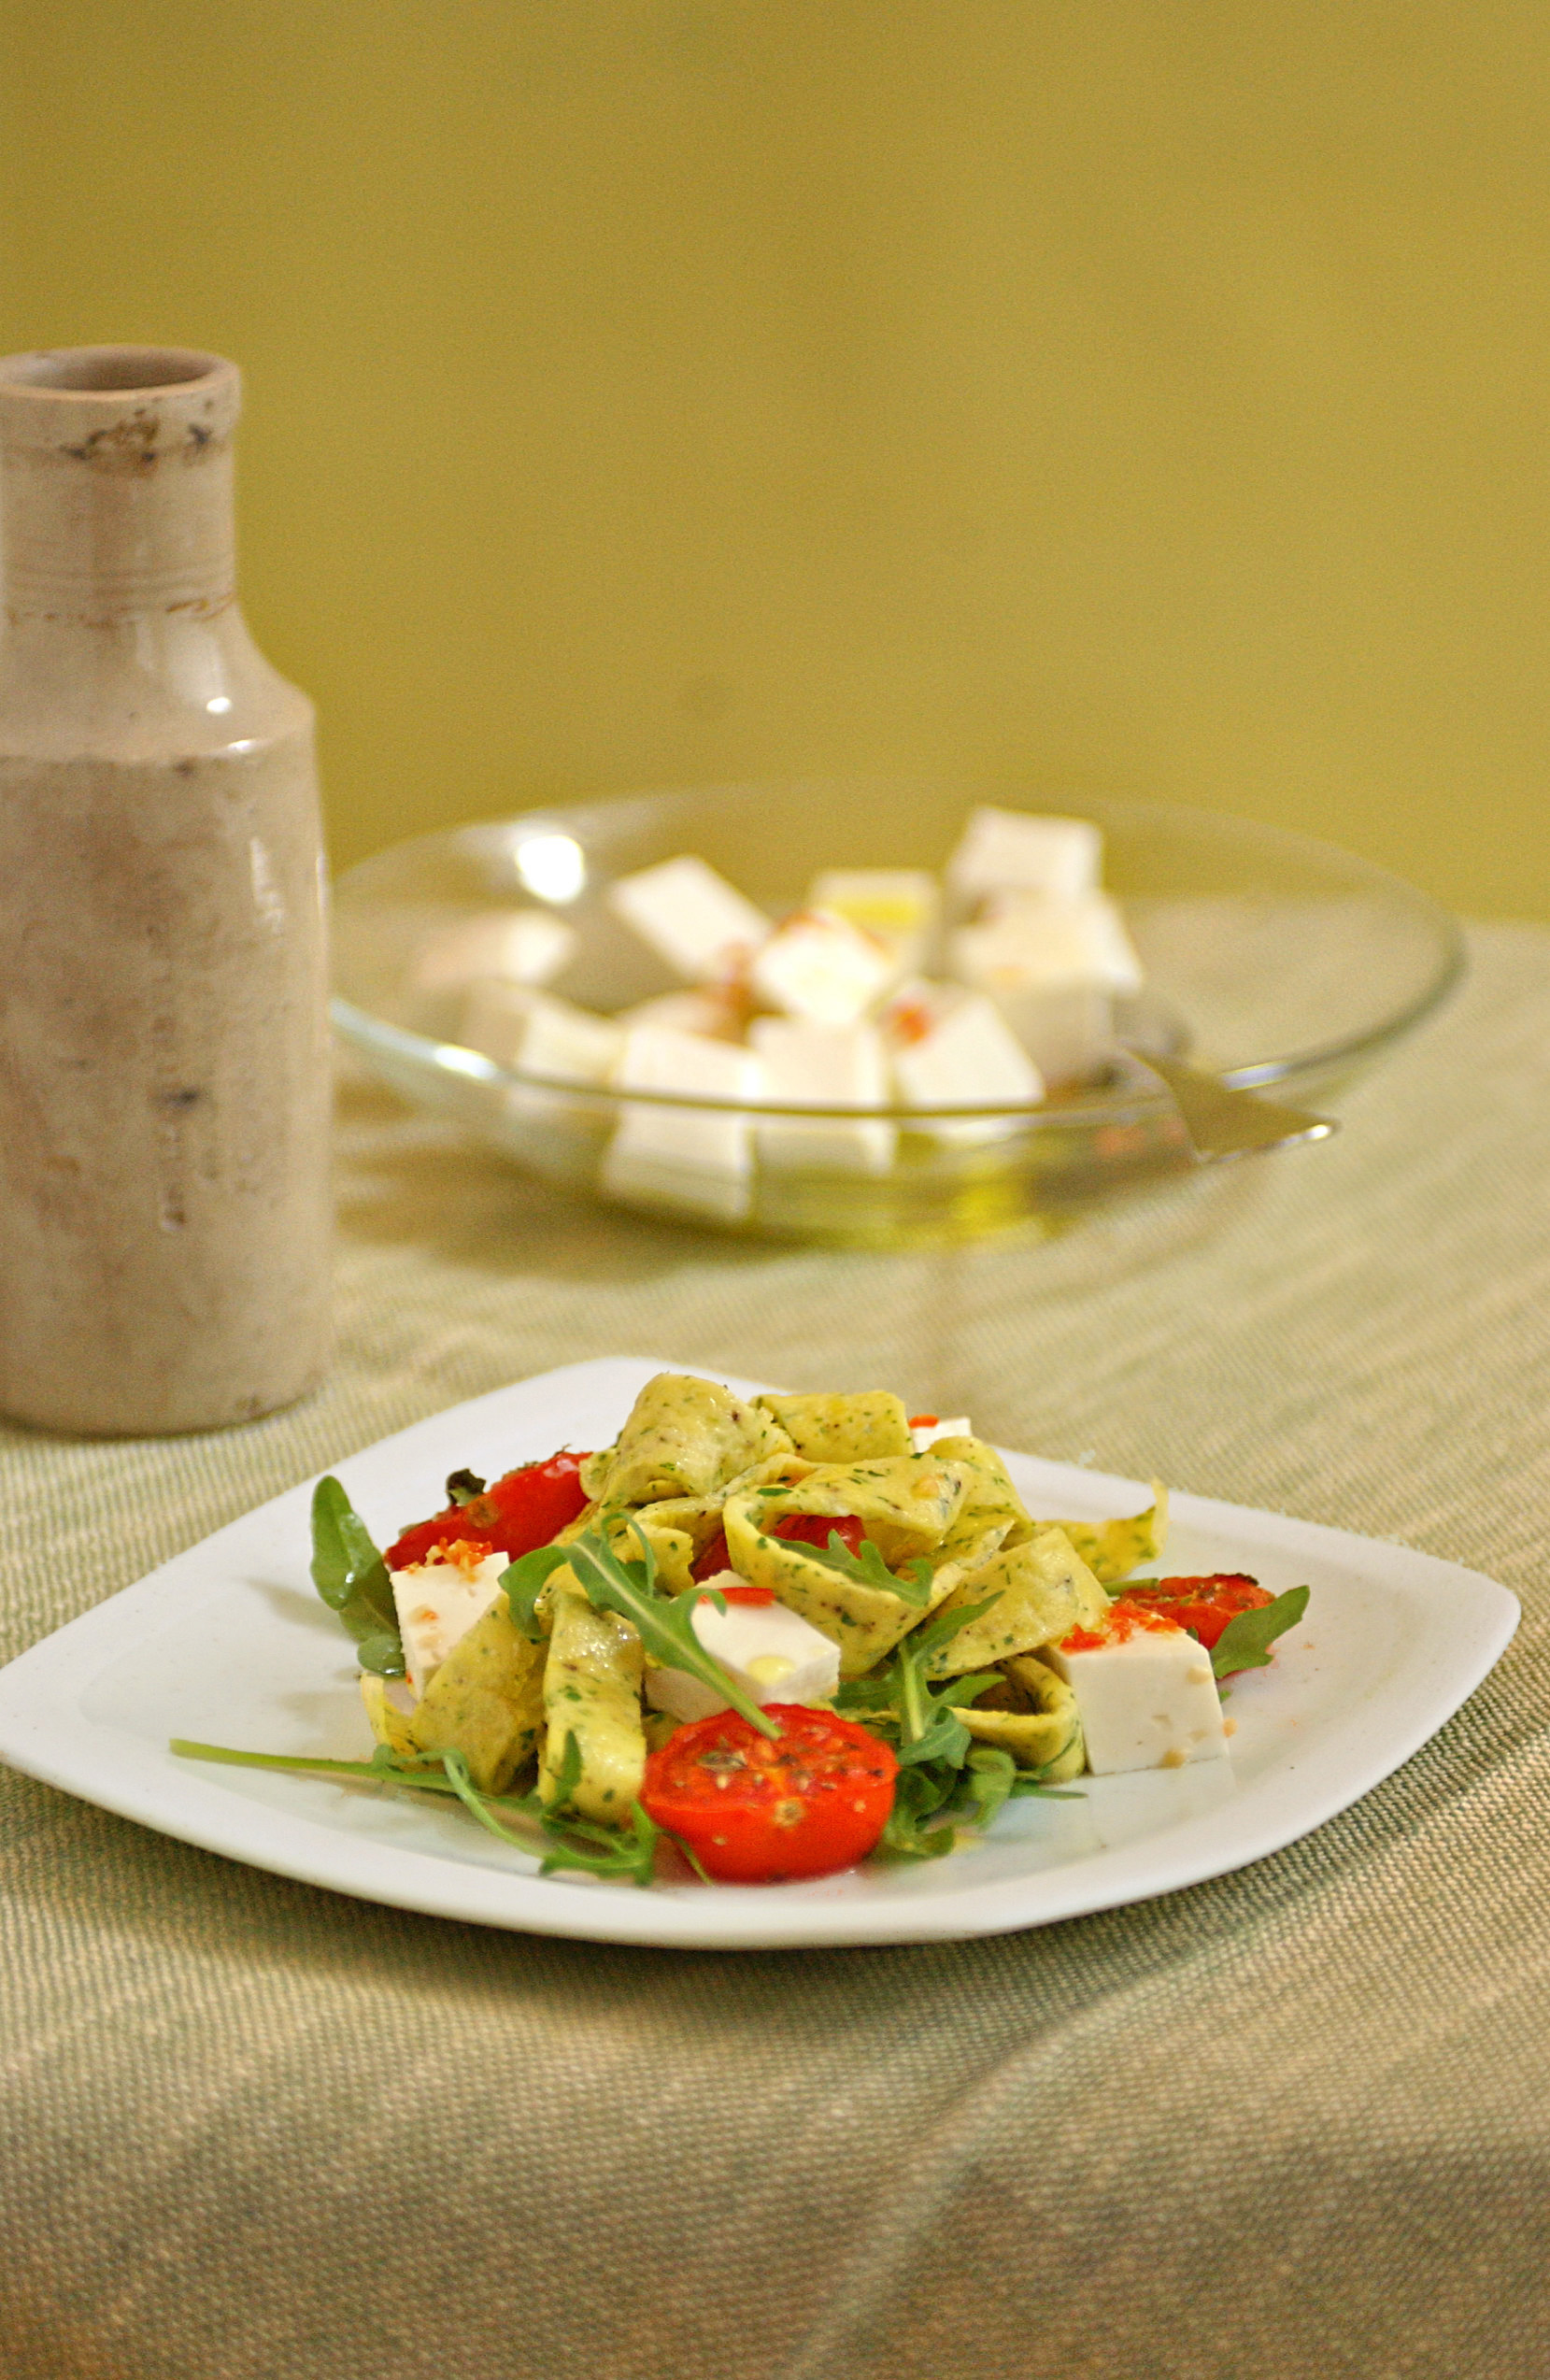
109	371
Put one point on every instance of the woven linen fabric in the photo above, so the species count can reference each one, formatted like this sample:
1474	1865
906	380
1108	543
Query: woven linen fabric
1292	2122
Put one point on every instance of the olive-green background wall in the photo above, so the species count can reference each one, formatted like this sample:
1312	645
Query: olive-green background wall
1145	394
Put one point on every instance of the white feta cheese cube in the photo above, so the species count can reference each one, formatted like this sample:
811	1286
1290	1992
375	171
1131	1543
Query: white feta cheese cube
771	1652
714	1010
1006	847
831	1066
522	946
1033	942
437	1602
1053	968
899	905
819	966
674	1156
1069	1034
538	1034
926	1433
953	1049
1147	1699
697	923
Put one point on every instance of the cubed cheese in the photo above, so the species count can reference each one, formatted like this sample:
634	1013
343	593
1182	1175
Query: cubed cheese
697	923
538	1034
953	1049
1029	941
926	1433
830	1066
437	1603
1012	847
899	905
819	966
714	1010
1069	1034
773	1654
1147	1696
687	1157
522	945
1053	968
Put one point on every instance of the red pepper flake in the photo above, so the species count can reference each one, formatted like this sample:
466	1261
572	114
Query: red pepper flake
1125	1620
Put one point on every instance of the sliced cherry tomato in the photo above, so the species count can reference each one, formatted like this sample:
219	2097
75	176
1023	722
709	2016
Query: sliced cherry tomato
924	1421
756	1810
816	1527
1204	1604
524	1509
715	1558
747	1594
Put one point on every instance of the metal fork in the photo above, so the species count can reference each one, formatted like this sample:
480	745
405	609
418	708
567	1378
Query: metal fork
1222	1122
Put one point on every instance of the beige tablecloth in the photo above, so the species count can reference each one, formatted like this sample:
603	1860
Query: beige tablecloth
1293	2122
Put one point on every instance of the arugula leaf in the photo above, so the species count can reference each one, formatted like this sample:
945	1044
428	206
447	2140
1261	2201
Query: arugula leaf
899	1696
382	1654
385	1767
928	1729
989	1774
462	1486
569	1777
665	1624
525	1580
352	1579
944	1774
1244	1643
605	1850
555	1833
918	1795
868	1569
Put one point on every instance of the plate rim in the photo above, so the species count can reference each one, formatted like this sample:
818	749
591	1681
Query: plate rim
46	1735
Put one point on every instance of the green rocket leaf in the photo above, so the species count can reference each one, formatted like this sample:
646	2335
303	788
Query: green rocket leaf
352	1579
663	1624
1244	1643
868	1568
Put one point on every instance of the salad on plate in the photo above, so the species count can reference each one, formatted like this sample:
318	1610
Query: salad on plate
761	1639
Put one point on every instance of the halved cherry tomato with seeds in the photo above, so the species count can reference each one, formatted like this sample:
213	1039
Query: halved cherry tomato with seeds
756	1810
527	1508
1204	1604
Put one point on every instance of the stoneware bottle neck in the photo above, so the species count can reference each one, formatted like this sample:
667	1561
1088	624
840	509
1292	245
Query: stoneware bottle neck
116	496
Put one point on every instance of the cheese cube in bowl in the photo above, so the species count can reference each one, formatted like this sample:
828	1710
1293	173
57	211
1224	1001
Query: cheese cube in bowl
817	965
1001	850
696	1158
824	1066
953	1049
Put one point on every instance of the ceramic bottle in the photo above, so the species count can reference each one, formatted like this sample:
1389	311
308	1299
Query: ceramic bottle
164	1059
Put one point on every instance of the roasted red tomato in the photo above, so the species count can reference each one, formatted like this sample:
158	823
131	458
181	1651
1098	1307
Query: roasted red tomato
524	1509
1204	1604
715	1558
816	1529
756	1810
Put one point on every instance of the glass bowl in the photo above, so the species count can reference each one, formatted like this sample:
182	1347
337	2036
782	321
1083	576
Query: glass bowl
1272	961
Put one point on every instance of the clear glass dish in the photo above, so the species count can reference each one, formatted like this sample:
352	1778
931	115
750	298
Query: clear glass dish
1272	961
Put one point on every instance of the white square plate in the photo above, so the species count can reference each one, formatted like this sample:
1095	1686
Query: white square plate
229	1644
